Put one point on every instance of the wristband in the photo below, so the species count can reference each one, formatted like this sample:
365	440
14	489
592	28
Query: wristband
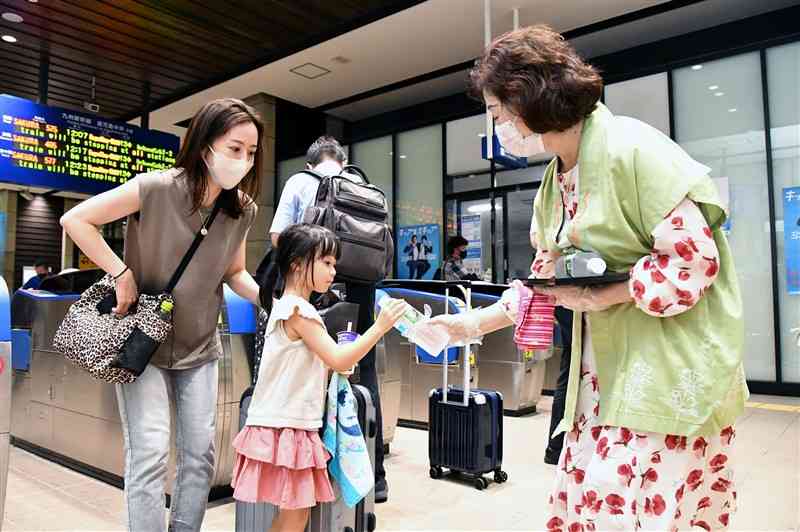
121	273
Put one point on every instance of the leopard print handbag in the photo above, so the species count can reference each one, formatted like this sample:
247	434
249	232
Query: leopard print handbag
93	340
117	349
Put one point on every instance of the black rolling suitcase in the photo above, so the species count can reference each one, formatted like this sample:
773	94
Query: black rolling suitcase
329	517
465	427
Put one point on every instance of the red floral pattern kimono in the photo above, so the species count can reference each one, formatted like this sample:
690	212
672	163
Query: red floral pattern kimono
614	478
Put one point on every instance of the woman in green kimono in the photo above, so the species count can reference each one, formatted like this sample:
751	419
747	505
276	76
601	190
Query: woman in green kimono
656	379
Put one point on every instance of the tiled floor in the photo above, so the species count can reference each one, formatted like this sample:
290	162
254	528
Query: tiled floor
44	496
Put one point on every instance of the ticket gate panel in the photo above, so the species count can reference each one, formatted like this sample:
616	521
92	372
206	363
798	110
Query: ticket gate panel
89	440
389	379
5	414
63	413
21	386
89	396
4	450
5	391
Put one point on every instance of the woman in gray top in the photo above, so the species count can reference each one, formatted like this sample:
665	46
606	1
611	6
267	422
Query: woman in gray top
220	160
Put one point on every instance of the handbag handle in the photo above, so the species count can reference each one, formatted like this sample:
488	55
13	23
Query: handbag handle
351	168
198	239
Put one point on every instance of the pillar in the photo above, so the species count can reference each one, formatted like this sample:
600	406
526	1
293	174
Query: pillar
258	238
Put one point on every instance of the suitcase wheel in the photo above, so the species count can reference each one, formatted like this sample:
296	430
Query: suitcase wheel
436	472
481	483
500	476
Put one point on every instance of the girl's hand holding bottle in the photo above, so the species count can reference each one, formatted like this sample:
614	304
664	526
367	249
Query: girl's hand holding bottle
342	357
391	311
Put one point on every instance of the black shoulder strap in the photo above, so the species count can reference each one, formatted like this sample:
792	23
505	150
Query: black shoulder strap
350	168
192	249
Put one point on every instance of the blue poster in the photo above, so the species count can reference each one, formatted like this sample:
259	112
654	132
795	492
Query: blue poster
471	231
791	238
418	251
60	149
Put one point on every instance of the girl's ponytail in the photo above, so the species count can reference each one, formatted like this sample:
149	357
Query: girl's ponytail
269	283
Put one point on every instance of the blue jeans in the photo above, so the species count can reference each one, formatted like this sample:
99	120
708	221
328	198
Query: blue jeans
144	407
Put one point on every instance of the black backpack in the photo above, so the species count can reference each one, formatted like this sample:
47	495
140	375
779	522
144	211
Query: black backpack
358	213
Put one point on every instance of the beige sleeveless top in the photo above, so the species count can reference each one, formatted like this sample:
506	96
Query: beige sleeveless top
290	391
154	246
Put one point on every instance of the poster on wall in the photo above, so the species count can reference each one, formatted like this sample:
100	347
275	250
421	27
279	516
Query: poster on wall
791	238
418	251
471	231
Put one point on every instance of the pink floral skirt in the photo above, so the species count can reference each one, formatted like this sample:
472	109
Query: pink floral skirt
614	478
284	467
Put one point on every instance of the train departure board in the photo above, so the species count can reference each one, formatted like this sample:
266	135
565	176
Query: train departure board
59	149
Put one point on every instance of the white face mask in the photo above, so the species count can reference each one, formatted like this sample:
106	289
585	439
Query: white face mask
328	168
227	172
514	143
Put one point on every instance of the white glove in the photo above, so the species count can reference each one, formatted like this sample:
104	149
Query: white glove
461	328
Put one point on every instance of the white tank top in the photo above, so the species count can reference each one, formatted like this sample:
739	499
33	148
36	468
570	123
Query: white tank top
290	390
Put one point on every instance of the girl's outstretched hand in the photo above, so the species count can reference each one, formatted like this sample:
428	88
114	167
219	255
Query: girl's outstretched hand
391	311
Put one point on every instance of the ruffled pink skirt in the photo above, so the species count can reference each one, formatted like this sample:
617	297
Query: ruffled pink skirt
284	467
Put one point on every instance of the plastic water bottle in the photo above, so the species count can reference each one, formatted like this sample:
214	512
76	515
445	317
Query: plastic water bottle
433	340
579	265
410	317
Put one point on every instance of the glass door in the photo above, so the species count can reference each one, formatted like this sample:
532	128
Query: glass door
474	220
517	213
497	227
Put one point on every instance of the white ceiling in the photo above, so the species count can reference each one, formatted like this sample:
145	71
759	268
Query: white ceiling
681	21
389	101
439	34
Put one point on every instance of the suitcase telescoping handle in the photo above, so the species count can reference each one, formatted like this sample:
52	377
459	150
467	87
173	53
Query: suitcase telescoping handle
466	289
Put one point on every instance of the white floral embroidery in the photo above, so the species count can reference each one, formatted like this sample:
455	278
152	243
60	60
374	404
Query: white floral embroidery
685	395
737	392
639	379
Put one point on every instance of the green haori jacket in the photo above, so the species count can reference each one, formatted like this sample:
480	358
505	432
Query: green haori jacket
679	375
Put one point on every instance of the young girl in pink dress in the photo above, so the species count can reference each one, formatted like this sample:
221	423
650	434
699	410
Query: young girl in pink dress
280	458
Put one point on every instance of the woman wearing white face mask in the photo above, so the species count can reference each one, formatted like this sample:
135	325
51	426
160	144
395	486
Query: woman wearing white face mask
219	162
656	378
514	142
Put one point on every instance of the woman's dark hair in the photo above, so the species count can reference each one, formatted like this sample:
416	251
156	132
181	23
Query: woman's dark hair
210	123
539	77
455	242
298	245
325	147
